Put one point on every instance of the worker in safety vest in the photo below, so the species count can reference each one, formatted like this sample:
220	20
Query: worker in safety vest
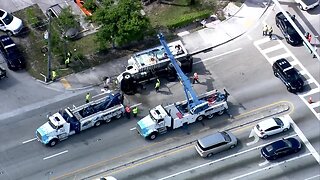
157	87
67	62
88	98
195	78
135	111
127	111
54	75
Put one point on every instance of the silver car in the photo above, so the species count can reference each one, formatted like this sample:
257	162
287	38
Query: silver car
215	143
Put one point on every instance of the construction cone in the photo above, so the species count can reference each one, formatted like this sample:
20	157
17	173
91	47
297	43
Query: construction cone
310	100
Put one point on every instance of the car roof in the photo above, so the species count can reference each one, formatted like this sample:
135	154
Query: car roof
283	63
211	139
6	40
266	124
276	145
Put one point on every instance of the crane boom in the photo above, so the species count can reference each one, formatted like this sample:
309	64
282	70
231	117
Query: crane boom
191	95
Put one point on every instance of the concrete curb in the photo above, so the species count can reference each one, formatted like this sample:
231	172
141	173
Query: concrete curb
206	49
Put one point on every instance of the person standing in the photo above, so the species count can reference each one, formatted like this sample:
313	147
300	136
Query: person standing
195	78
270	31
127	112
265	30
135	111
157	87
67	62
54	75
309	38
88	97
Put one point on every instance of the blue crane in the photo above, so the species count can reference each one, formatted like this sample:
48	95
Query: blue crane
191	95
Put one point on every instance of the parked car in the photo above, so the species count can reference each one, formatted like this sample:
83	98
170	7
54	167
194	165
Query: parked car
215	143
288	75
3	72
290	34
272	126
9	23
80	3
11	53
281	148
307	4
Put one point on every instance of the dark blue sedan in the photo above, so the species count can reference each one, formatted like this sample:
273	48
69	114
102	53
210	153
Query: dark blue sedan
281	148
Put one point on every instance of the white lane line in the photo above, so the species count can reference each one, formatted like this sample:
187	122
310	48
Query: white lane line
261	41
218	160
315	104
272	48
28	140
271	166
312	91
100	94
304	139
256	138
229	52
133	129
135	105
274	58
313	177
55	155
264	163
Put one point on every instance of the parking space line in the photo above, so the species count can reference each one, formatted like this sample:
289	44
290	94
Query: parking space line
313	177
304	139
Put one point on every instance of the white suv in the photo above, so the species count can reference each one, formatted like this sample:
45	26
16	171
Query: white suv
10	23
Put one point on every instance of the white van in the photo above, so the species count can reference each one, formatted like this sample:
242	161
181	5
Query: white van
10	23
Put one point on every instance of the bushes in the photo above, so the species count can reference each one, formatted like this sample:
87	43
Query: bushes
187	19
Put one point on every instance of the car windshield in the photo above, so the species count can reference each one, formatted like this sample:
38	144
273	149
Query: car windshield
226	137
8	19
269	148
292	74
288	143
52	125
278	121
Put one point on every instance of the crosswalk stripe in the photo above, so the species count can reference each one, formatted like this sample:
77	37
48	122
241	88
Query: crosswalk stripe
272	48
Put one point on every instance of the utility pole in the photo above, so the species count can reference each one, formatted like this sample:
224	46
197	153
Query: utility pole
49	49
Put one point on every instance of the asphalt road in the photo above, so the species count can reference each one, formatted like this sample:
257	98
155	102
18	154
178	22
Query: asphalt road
239	66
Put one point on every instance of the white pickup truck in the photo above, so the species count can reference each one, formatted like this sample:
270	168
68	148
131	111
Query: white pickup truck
307	4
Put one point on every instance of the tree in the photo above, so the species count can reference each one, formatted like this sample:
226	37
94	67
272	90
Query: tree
121	22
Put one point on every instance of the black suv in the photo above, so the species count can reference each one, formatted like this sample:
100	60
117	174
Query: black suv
288	75
289	33
11	53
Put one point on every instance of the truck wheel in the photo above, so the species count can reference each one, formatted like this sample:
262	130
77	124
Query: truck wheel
53	142
108	120
200	118
118	116
153	136
275	74
220	112
209	155
210	116
98	123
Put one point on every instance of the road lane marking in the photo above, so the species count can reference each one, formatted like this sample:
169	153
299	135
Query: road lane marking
264	163
218	160
256	138
211	58
304	139
272	48
55	155
134	128
271	166
28	140
313	177
312	91
65	83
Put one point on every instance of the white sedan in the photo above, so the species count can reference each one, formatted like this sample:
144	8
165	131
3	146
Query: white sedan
271	126
10	23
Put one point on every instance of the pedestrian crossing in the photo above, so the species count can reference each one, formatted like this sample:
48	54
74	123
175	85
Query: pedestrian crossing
273	50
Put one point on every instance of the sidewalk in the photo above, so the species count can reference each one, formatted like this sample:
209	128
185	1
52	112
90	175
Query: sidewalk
241	19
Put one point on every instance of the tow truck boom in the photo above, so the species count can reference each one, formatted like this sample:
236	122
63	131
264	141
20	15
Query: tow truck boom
191	95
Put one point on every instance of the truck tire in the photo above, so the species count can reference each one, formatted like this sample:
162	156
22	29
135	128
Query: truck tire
200	118
118	116
108	120
153	136
210	116
97	124
221	112
53	142
127	85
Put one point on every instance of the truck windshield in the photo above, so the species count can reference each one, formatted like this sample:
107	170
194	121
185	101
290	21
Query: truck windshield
52	125
152	117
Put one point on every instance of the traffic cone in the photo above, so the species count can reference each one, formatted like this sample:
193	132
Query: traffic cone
310	100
